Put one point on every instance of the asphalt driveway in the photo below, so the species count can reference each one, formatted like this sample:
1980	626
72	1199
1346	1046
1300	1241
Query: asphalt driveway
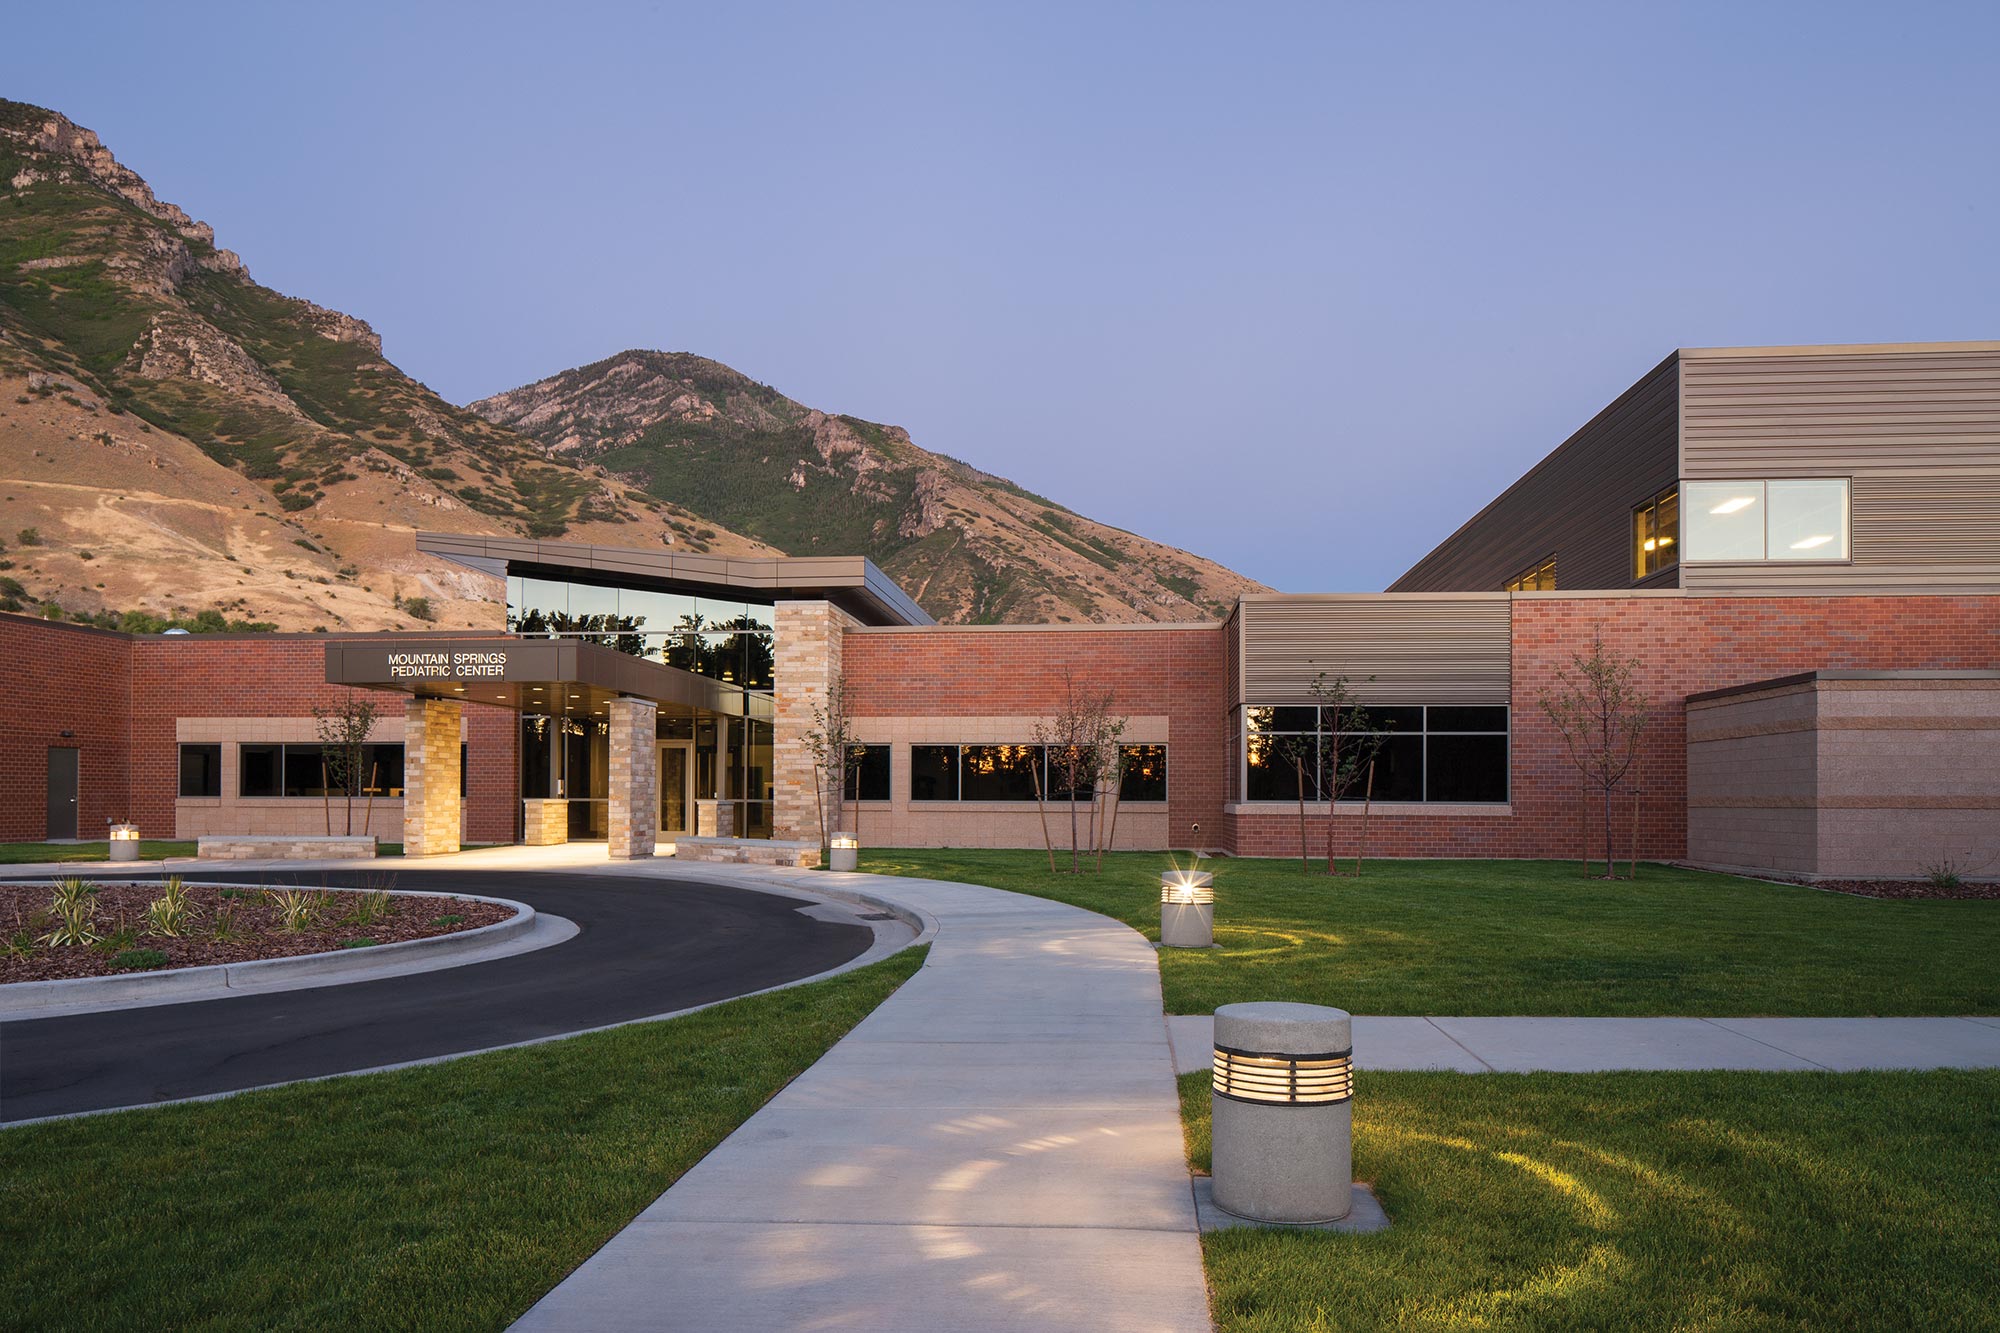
643	947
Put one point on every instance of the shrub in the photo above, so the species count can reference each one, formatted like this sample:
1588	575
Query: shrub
419	608
18	945
169	913
139	960
226	929
372	906
298	908
29	537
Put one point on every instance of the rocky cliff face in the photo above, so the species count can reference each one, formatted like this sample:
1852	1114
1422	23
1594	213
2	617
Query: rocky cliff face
177	438
970	546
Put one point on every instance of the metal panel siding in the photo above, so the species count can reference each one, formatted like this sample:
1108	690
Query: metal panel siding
1423	649
1575	504
1918	430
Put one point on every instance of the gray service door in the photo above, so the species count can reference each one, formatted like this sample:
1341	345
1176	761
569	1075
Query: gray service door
62	791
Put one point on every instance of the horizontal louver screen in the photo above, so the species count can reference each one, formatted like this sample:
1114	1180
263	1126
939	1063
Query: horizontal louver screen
1418	649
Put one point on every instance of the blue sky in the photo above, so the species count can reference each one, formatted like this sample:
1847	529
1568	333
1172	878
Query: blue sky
1296	287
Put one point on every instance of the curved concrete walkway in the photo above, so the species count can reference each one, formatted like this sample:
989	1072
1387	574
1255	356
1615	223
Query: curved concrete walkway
998	1147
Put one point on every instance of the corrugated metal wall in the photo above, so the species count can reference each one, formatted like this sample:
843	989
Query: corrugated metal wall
1918	430
1576	504
1420	649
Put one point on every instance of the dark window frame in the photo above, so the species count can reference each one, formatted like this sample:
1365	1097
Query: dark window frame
1049	792
1422	734
1665	553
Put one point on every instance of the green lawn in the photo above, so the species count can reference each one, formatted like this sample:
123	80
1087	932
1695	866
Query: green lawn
1642	1201
28	853
446	1197
1528	937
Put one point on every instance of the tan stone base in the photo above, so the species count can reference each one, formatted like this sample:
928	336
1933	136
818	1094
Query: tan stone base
245	848
748	851
544	823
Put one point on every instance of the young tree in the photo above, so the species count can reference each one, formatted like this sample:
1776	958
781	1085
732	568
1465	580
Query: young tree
1301	755
1348	744
343	729
830	740
1079	743
1597	708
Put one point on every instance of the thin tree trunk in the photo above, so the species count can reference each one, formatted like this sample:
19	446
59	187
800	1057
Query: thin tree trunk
1075	862
819	812
1305	858
1610	866
368	811
1111	838
325	796
1042	809
1367	803
1635	834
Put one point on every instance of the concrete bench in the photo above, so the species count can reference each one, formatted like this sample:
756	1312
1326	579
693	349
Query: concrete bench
748	851
283	847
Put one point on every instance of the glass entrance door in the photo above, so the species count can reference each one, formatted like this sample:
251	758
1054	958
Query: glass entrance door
676	787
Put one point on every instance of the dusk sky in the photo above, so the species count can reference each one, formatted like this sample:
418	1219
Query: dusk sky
1297	288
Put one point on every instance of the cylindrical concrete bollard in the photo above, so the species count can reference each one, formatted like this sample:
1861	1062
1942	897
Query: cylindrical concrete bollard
843	852
124	842
1282	1133
1187	909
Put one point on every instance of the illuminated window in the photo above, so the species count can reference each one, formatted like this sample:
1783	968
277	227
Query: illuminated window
1656	533
1541	578
1768	521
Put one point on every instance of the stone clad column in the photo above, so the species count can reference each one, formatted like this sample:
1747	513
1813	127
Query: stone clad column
808	659
430	777
635	779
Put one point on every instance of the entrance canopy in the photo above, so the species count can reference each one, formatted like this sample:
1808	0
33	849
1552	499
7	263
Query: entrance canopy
553	676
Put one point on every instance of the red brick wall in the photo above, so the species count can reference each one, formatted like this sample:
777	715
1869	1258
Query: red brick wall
982	672
121	697
62	678
1684	646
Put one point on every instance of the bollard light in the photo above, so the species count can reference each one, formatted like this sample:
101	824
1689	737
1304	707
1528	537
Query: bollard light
843	851
1187	909
124	842
1282	1119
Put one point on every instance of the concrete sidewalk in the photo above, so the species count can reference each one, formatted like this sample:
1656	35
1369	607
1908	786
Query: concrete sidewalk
998	1147
1585	1045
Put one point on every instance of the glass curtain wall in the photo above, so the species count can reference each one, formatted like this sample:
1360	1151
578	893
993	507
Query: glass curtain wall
725	639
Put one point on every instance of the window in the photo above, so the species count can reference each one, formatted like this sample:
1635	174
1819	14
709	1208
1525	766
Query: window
868	773
1778	520
933	772
1656	532
1541	578
1008	773
201	770
295	770
1447	753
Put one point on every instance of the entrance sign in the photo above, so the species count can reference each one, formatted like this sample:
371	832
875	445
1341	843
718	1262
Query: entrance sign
487	664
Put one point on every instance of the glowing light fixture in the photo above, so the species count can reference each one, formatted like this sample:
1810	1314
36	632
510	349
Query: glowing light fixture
1187	886
124	842
1285	1080
1733	504
1187	909
1808	543
843	851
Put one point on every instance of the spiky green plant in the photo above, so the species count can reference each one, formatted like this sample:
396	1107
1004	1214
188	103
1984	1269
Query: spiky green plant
298	909
18	945
170	913
371	907
226	928
76	921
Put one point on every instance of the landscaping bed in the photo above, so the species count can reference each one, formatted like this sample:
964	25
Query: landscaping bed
226	924
1907	888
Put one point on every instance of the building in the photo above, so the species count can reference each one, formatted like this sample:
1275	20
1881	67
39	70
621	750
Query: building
1799	546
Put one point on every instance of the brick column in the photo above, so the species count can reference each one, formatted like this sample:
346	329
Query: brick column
635	780
809	638
430	777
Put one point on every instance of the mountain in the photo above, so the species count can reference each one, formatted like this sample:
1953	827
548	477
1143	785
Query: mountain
175	438
968	545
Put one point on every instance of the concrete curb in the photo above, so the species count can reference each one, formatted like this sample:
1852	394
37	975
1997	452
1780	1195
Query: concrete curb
72	995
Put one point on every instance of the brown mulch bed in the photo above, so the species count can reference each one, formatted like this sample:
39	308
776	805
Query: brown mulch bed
1907	888
256	928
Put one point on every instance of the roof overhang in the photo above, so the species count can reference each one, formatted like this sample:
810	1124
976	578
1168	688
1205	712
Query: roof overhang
556	676
852	583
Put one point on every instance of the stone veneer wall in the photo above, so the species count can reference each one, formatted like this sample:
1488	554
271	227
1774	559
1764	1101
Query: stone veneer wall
544	822
810	657
633	810
430	777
